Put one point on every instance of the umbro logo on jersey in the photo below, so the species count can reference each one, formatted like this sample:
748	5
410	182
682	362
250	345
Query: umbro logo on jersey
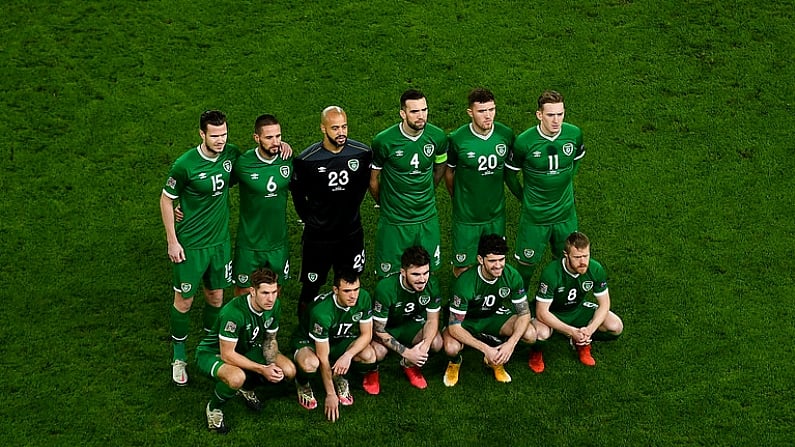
471	155
398	153
568	149
427	150
202	175
501	149
587	285
536	154
284	171
504	292
353	164
254	176
321	169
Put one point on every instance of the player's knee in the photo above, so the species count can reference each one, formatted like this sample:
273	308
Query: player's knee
530	335
437	344
182	304
234	377
616	326
214	298
543	332
452	346
308	364
380	350
367	355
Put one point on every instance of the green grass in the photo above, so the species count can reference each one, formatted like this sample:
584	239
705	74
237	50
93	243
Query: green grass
685	191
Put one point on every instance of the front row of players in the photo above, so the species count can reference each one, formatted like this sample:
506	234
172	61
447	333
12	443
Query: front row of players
345	330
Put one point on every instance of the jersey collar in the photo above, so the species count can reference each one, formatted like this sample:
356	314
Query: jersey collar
573	275
482	137
547	137
484	279
201	154
401	280
251	307
400	126
337	304
263	159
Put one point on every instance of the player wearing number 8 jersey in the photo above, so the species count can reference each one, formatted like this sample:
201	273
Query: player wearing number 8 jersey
548	156
330	179
474	178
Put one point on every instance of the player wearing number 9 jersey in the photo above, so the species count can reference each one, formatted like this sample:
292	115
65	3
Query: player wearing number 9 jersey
330	179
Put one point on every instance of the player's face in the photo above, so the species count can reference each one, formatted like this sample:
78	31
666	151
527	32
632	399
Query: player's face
264	296
577	260
493	265
482	114
335	128
551	118
416	278
347	293
415	114
214	138
269	140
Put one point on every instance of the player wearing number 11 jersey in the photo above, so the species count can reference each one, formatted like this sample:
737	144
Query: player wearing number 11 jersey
330	179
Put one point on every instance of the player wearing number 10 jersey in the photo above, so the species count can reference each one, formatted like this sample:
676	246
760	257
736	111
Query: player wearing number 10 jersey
474	178
330	179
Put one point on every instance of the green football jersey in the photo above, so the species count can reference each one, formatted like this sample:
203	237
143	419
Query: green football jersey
263	186
479	163
566	290
407	193
548	165
328	321
201	185
477	298
396	305
239	322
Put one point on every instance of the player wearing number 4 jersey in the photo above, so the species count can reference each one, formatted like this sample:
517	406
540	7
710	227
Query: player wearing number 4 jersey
330	179
561	302
199	245
263	178
474	178
408	162
548	156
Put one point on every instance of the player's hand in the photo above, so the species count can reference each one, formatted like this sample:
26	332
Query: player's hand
286	150
273	373
340	367
505	352
176	253
178	214
332	407
416	355
492	355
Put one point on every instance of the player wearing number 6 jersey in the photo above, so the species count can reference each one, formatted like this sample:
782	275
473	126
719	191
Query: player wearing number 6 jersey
474	178
330	179
561	302
548	156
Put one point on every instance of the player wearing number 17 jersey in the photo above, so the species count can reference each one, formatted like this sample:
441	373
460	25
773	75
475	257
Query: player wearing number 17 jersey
474	178
548	156
330	179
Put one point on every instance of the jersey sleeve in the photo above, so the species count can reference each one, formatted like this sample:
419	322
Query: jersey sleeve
599	278
319	325
441	149
176	182
547	284
459	302
365	305
452	153
379	153
382	300
229	325
436	295
297	188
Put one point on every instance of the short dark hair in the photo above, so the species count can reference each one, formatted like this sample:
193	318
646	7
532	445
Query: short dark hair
549	97
415	256
263	275
409	95
480	95
577	240
214	117
348	275
264	120
492	244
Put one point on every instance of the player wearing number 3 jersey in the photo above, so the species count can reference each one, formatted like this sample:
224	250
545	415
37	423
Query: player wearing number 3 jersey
330	179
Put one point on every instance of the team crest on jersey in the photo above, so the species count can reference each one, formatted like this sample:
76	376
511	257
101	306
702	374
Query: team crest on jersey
529	252
501	149
425	299
353	164
268	322
356	317
461	257
312	277
242	279
185	287
284	171
587	285
504	292
228	165
568	149
171	182
427	150
386	267
542	288
231	326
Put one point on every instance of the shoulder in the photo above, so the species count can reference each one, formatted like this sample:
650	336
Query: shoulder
503	130
435	132
596	267
571	129
386	134
461	132
512	277
310	152
357	146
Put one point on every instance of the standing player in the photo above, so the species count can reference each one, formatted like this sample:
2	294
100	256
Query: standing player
199	245
263	179
241	351
474	178
548	156
561	303
406	314
330	179
334	336
408	162
489	302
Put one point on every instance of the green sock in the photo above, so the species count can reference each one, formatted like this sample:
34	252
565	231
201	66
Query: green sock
302	378
526	271
222	394
362	368
457	359
209	315
604	336
180	324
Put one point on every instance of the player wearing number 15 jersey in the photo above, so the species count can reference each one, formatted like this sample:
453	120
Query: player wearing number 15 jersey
330	179
474	178
548	156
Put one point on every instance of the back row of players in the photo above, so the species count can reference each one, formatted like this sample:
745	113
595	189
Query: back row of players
489	310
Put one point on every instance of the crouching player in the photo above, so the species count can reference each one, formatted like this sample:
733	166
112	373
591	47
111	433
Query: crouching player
406	314
241	351
338	328
561	303
489	303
